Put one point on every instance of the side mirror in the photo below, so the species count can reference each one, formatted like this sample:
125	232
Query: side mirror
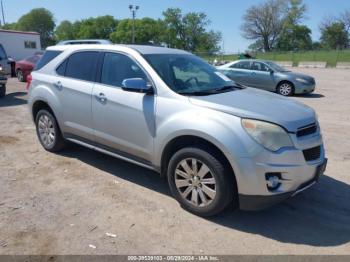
271	71
137	85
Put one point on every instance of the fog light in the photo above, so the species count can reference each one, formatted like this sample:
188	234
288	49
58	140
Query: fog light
273	180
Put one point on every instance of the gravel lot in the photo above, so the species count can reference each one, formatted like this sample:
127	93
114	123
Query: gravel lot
61	204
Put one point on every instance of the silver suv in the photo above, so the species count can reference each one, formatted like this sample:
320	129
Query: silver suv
217	142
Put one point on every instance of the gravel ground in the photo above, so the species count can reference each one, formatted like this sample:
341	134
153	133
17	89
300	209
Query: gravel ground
66	203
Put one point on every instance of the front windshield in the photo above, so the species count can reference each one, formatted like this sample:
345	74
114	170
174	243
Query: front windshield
276	67
188	74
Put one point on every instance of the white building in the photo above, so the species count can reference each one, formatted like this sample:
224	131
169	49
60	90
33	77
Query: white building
18	44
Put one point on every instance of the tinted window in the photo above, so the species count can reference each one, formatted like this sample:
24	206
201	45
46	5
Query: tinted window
257	66
61	70
2	53
242	65
82	65
46	58
33	59
117	67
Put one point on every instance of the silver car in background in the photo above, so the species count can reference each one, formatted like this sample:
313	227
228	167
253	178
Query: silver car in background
164	109
269	76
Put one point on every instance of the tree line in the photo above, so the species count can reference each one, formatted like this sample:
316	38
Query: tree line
277	25
271	25
185	31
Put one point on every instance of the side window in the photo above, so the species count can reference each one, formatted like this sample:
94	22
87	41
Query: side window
117	67
61	70
257	66
82	65
242	65
46	58
2	53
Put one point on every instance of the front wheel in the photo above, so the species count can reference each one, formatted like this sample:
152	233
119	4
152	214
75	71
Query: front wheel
285	89
48	132
200	181
2	90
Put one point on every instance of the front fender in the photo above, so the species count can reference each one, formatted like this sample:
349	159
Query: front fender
221	129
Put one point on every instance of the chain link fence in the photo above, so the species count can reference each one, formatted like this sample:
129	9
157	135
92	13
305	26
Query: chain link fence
331	57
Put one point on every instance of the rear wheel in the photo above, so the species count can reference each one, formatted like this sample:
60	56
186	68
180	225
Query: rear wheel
285	89
2	90
20	75
48	132
201	182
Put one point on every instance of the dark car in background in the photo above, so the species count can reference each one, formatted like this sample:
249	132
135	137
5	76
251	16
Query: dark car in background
269	76
25	67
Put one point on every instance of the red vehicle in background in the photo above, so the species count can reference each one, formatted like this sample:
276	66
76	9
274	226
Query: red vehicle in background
25	67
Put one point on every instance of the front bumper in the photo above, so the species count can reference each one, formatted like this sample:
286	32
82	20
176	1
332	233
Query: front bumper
300	88
256	202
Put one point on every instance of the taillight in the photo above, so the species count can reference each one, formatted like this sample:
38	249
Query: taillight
29	81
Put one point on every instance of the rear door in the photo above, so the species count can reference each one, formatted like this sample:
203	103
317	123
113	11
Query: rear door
4	63
73	86
123	121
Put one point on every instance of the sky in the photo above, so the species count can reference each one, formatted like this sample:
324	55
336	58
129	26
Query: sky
225	15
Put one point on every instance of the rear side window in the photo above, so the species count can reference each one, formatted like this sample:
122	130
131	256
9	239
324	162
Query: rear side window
47	58
242	65
82	65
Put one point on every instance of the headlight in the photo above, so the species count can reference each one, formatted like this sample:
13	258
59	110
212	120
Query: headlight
301	80
0	68
270	136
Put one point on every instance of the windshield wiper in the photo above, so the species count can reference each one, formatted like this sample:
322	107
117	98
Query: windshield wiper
227	88
197	93
213	91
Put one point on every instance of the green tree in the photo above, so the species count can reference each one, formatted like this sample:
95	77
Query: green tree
99	27
334	36
11	26
39	20
147	30
65	31
295	37
189	31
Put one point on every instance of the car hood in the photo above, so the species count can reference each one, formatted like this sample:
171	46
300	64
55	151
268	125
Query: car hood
262	105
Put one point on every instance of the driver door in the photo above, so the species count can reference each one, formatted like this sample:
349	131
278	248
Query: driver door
123	121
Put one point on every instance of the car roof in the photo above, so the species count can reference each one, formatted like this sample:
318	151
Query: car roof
251	60
85	41
142	49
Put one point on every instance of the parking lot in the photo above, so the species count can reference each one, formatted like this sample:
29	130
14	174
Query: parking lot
66	203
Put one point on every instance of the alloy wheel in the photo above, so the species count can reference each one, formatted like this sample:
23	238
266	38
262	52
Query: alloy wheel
195	182
285	89
46	130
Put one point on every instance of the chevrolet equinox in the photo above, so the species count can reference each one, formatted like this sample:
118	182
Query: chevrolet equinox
218	143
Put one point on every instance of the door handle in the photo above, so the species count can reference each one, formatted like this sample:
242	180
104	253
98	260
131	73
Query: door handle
58	85
101	97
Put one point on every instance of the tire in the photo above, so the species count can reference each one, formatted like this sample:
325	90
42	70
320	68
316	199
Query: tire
20	75
46	126
285	89
2	90
225	185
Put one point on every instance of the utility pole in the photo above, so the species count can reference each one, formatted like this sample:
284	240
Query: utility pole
133	9
3	14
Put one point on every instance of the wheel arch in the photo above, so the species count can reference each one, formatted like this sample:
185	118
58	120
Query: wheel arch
183	141
285	81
